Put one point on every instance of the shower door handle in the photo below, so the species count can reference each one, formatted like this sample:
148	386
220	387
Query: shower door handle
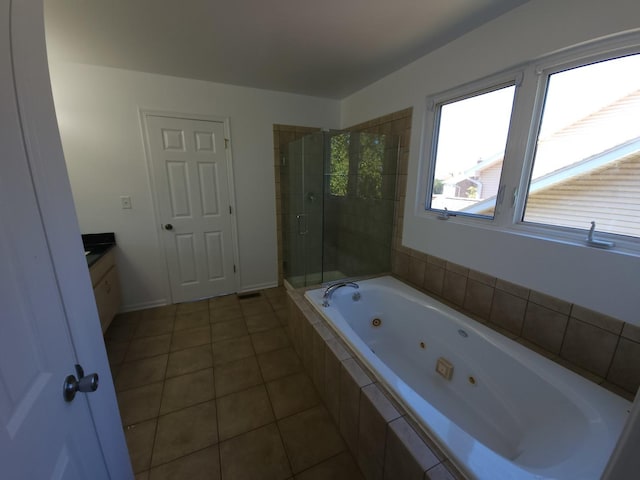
302	224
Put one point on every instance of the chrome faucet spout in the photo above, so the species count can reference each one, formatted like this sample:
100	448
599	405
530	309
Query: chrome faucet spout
332	288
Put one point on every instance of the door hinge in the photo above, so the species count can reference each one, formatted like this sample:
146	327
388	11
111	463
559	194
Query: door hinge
230	210
226	143
234	269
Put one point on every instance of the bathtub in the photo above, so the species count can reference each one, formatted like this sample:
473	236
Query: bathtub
505	412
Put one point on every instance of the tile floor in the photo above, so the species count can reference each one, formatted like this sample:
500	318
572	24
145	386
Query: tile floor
214	390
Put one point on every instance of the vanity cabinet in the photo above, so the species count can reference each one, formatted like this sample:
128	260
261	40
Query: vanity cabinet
106	288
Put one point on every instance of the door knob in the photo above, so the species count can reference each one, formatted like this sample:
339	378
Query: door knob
86	383
168	226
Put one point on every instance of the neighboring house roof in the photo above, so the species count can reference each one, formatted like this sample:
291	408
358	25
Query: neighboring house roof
568	173
609	195
612	131
619	119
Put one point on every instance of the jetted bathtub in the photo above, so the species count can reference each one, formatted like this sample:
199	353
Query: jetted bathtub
498	409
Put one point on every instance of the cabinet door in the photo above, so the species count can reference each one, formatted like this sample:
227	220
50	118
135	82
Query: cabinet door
101	267
107	293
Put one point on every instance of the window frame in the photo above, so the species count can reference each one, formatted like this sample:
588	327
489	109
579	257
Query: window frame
512	77
531	80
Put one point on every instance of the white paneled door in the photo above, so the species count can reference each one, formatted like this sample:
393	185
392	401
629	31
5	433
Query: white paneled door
191	178
42	436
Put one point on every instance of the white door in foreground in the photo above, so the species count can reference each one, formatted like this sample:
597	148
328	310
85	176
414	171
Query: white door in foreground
42	436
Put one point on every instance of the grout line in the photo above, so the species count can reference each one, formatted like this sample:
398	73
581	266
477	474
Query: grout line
613	355
273	412
215	397
157	418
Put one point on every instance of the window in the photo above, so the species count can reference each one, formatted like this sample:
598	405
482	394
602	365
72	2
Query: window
544	150
370	160
339	164
469	150
587	159
359	164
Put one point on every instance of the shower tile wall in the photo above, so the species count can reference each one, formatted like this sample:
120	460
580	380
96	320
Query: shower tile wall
397	124
359	220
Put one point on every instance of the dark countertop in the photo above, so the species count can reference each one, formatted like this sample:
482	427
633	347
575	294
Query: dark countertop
97	244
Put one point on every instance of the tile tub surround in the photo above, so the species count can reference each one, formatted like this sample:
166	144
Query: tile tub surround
600	348
213	389
386	443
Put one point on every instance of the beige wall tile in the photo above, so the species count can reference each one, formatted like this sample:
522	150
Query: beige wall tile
352	379
459	269
400	264
434	278
625	369
544	327
632	332
512	288
507	310
308	333
375	413
407	456
605	322
454	287
338	348
550	302
318	366
478	298
332	374
589	347
482	278
436	261
416	271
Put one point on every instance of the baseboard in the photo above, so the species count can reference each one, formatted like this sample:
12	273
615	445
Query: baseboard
257	286
141	306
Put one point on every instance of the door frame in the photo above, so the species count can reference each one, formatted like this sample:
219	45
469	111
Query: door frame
46	162
147	112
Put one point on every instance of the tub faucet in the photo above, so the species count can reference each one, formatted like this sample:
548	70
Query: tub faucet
332	288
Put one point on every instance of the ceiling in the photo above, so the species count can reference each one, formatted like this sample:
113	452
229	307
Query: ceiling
328	48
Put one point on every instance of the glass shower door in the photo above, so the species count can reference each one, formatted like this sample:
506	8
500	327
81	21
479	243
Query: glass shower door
304	217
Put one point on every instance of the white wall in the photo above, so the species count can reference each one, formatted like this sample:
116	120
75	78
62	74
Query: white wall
600	280
97	111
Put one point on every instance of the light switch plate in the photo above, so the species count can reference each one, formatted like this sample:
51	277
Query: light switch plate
125	200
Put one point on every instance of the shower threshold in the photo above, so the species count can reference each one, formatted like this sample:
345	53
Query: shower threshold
315	278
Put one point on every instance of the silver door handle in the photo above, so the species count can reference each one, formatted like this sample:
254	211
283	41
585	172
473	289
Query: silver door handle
85	383
302	220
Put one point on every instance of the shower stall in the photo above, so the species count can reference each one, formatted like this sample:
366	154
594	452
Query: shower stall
338	193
